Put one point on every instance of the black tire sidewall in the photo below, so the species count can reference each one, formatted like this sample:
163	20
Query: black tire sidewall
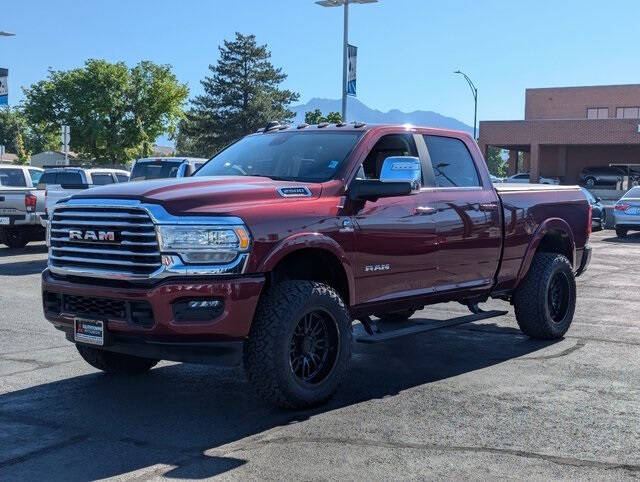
324	388
277	317
16	239
559	328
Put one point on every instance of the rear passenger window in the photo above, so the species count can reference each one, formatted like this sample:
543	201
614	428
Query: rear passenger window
452	163
122	177
101	179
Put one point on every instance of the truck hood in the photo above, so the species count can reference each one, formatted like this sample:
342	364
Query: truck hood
200	194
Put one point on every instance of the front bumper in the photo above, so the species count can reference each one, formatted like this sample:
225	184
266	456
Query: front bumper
159	334
585	259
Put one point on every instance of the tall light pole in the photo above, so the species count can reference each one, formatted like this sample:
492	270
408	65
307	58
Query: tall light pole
345	46
474	91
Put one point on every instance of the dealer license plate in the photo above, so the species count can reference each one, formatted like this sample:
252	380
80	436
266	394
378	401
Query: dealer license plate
4	220
88	331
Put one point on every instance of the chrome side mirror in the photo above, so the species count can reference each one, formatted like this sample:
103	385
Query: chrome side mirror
402	169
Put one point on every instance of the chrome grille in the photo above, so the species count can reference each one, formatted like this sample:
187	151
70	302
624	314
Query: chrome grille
133	253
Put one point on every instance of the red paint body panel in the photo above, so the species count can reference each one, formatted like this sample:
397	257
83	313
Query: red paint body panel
240	296
477	242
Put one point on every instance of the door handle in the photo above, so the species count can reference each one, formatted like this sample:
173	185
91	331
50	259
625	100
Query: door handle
422	210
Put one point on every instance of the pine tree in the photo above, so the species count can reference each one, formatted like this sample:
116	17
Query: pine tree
241	96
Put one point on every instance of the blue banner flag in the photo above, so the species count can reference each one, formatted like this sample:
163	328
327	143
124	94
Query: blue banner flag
352	63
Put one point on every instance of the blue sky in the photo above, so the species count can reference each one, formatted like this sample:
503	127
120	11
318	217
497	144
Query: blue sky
408	48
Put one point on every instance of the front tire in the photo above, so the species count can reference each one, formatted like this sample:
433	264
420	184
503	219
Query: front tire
115	363
590	182
545	301
299	346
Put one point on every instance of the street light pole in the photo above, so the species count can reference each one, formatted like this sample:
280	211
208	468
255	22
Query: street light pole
345	53
474	92
345	43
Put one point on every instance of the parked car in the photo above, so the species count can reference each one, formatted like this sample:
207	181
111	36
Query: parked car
20	204
627	212
495	179
593	177
599	215
282	239
64	181
523	177
165	167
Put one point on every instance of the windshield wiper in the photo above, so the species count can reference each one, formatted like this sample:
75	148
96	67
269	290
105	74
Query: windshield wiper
274	178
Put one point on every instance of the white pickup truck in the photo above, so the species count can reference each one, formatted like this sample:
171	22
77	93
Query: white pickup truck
20	203
63	182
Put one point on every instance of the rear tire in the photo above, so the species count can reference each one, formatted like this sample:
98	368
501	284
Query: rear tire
396	316
116	363
299	346
545	301
15	238
621	232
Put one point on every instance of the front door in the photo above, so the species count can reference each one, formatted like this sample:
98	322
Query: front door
394	242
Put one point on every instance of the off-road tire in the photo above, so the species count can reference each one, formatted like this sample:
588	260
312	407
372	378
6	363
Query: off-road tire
621	232
532	297
267	349
15	239
115	363
396	316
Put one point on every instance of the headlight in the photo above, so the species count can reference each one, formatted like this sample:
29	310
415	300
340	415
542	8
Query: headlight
204	244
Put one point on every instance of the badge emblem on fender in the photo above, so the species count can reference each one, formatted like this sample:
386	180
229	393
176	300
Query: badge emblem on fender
376	267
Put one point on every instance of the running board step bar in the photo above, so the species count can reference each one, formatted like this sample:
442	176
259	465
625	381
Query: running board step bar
426	325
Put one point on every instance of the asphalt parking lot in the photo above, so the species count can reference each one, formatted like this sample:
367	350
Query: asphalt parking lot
477	401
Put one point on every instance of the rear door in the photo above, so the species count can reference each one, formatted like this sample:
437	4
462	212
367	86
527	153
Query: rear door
467	217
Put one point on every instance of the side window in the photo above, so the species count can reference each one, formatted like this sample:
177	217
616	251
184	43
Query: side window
100	179
452	163
122	177
35	176
387	146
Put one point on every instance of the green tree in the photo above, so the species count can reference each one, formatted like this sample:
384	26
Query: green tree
12	122
317	117
115	113
495	162
241	95
23	155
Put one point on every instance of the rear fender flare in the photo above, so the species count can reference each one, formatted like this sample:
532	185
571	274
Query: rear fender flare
549	225
307	241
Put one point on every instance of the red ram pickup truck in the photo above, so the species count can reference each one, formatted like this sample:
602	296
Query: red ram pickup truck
268	254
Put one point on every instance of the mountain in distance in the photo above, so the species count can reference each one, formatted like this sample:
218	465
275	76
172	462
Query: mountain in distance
357	111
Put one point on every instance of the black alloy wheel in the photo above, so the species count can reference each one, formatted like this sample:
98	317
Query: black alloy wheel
314	347
558	296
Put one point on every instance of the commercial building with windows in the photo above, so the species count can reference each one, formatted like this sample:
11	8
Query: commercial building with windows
568	129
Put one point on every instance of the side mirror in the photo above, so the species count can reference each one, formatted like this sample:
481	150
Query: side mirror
402	169
598	199
373	189
184	170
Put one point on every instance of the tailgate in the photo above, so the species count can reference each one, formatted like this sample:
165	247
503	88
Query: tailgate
12	206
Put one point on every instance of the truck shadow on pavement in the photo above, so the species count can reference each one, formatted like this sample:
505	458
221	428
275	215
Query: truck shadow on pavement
21	268
631	238
29	249
180	414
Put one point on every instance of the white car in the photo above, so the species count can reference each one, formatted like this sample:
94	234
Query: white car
64	181
523	177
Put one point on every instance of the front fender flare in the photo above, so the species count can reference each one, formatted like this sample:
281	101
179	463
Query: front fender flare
300	241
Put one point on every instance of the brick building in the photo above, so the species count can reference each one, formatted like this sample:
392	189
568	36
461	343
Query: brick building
569	128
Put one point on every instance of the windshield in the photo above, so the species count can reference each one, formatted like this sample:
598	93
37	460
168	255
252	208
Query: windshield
634	192
154	170
309	156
